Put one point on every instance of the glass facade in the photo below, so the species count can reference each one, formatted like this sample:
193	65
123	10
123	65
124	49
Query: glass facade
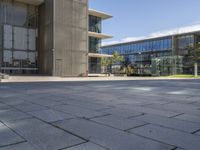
94	65
137	47
140	54
94	44
94	24
19	24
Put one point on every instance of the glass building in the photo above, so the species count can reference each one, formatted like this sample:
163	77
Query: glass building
50	37
95	38
142	54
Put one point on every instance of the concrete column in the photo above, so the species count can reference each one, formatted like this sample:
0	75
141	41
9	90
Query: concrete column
195	69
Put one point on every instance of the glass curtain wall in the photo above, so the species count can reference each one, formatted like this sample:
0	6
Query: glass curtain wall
95	24
145	46
167	66
185	44
141	53
94	65
94	44
19	23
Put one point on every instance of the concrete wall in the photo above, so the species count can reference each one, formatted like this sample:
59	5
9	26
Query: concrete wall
70	37
63	28
1	46
45	41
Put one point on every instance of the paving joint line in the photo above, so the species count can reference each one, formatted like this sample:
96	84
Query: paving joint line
50	125
16	143
176	115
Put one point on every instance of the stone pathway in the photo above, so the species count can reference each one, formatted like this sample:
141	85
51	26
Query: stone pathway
106	115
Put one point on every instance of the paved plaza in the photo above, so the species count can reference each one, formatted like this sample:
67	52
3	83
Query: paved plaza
100	115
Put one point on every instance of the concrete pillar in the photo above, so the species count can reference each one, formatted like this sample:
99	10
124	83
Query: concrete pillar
195	69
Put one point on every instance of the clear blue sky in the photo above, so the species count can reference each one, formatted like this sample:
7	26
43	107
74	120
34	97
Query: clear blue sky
133	18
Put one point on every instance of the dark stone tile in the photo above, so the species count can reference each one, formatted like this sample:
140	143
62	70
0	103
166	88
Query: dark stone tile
169	136
87	146
20	146
119	122
170	123
11	115
43	135
78	111
191	118
50	115
176	107
108	137
28	107
8	137
153	111
122	112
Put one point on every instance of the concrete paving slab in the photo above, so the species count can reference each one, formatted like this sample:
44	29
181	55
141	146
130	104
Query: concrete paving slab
108	137
13	100
50	115
78	111
47	102
20	146
87	105
154	111
87	146
170	123
8	137
4	107
11	115
43	135
169	136
125	99
122	113
28	107
119	122
191	118
197	133
181	108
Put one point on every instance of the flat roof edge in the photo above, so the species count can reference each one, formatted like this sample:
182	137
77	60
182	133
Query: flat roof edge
100	14
149	38
99	35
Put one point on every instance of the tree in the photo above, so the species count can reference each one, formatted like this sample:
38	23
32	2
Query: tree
195	56
116	58
105	62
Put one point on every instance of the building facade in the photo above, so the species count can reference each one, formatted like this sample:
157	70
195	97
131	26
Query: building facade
95	37
164	55
50	37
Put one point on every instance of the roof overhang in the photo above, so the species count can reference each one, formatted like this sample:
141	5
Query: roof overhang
96	55
31	2
99	14
99	35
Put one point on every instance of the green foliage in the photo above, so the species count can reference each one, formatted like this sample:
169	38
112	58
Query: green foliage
112	60
194	52
130	70
116	58
105	62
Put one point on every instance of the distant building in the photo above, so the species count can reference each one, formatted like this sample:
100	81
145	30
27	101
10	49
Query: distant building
161	55
50	37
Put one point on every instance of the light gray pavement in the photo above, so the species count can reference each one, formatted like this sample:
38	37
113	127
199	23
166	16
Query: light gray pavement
106	115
